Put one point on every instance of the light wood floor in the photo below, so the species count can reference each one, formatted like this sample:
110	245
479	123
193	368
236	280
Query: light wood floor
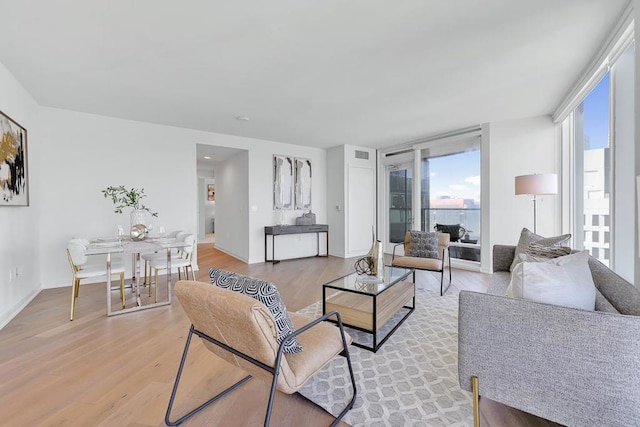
118	371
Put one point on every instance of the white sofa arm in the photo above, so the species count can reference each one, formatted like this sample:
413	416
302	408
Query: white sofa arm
574	367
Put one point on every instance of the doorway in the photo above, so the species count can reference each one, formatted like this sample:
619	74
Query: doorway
209	159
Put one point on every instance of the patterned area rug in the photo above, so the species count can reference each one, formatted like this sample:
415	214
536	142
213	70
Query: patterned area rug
413	378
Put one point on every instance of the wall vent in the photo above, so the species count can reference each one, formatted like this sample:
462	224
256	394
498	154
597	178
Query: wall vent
362	154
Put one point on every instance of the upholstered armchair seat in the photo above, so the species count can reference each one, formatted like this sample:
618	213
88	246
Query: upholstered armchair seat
242	331
431	264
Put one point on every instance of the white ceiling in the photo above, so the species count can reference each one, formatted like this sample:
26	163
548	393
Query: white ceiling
310	72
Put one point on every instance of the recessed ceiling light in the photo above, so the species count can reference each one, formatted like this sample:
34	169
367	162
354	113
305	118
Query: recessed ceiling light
242	118
207	157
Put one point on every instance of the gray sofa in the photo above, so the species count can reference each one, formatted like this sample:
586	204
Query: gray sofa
573	367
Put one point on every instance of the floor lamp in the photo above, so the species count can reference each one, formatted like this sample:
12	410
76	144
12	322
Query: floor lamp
537	185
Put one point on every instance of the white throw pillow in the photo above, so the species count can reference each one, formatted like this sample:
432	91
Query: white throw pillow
564	281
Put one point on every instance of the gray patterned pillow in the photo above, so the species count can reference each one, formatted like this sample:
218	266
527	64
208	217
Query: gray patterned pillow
424	244
527	237
538	251
266	293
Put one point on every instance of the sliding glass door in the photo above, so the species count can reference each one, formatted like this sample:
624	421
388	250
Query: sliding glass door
450	194
400	201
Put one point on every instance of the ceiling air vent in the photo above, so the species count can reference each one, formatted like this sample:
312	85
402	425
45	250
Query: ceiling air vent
362	155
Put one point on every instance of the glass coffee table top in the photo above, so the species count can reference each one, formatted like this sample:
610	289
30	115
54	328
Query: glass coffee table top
370	285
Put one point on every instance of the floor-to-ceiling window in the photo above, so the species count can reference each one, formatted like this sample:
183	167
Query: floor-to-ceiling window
598	131
450	193
593	166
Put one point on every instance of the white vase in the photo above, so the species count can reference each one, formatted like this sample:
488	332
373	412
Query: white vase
139	216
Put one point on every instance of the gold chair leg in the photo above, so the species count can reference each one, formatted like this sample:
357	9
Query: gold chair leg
146	263
74	295
476	401
122	288
193	275
150	277
156	285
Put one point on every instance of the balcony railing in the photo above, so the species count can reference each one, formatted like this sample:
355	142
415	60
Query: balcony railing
467	218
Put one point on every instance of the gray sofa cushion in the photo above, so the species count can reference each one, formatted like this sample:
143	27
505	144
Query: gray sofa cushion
603	304
499	283
620	293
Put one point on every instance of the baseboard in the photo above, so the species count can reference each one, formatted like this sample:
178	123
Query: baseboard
8	316
231	253
465	265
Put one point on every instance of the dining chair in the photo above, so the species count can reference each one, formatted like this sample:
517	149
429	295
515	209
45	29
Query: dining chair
179	235
82	268
182	261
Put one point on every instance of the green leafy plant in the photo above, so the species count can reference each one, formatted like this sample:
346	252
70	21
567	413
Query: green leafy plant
123	197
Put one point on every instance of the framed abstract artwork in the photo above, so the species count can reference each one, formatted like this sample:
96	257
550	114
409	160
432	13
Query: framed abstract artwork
211	192
302	184
282	182
14	178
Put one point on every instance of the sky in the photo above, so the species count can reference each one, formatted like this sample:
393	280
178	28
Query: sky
456	176
596	115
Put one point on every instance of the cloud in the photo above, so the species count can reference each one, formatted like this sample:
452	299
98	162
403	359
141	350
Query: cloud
458	187
432	174
474	180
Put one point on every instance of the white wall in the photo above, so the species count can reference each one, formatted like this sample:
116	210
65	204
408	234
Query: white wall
232	221
261	200
86	153
336	182
19	227
521	147
351	200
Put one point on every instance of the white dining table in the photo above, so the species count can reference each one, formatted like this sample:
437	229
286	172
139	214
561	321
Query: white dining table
109	246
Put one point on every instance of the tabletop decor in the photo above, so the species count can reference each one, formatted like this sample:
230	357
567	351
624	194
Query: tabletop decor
14	183
124	197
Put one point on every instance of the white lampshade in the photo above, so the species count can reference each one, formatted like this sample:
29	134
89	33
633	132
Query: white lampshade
540	183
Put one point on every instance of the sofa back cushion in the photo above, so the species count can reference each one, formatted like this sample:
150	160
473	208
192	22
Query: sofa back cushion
621	294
